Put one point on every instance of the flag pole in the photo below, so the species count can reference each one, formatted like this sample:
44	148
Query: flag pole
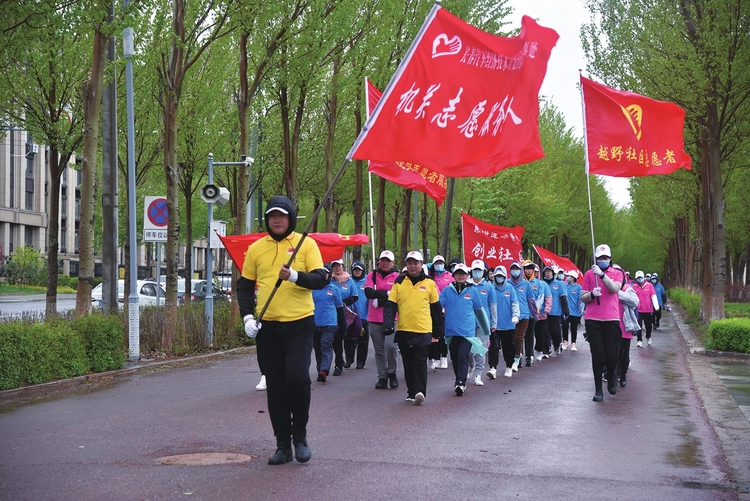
588	177
372	224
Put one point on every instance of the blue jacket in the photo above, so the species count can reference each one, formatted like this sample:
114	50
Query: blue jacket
487	294
661	293
574	299
507	306
558	290
362	301
461	310
525	296
349	291
326	301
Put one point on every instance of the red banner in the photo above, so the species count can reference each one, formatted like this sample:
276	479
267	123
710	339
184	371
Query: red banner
331	245
495	245
551	259
463	101
630	135
406	174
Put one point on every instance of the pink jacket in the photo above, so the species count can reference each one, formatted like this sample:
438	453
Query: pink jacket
645	291
382	284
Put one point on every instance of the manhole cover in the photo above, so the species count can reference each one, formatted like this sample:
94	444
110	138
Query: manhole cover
204	458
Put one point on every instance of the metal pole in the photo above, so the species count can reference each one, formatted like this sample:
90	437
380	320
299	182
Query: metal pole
447	222
209	263
109	181
158	273
133	309
415	244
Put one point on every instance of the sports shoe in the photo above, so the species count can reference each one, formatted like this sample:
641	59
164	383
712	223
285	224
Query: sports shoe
529	361
565	345
573	347
492	373
393	380
382	384
337	371
639	344
514	367
545	355
347	365
322	376
434	364
262	385
508	372
470	374
478	380
649	341
459	389
409	399
538	355
418	398
443	362
559	350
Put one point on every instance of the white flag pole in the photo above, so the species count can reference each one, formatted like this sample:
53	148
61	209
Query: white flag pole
588	177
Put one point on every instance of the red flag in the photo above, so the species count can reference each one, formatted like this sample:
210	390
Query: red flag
631	135
463	102
331	245
493	244
406	174
551	259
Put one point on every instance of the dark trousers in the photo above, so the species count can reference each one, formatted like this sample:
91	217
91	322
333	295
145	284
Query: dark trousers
438	349
647	320
520	332
541	333
338	348
657	317
503	339
323	347
414	348
528	338
358	344
624	361
493	354
555	331
284	351
460	350
605	339
571	323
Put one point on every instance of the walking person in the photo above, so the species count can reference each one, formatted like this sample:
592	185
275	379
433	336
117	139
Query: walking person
377	288
349	292
415	298
558	309
285	334
600	287
647	305
443	278
508	313
538	340
628	325
359	344
661	296
463	309
487	295
527	309
575	311
329	320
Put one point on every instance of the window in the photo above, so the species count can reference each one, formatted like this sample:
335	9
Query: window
29	236
73	268
64	202
29	205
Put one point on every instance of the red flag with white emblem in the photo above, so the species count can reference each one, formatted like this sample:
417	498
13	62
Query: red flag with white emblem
493	244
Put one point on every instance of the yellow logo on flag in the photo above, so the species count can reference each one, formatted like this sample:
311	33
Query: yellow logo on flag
634	114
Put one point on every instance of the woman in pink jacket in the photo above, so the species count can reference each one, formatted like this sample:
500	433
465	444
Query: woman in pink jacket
647	304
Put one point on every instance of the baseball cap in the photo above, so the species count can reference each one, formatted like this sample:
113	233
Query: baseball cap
639	274
500	270
414	255
386	254
461	267
438	258
275	207
603	250
572	273
527	263
358	264
338	261
654	275
477	264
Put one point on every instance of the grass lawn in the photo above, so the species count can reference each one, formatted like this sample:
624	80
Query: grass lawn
17	290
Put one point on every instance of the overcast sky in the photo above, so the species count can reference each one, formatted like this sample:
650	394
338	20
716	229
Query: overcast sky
560	83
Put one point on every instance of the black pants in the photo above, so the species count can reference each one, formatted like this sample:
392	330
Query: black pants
438	349
647	320
541	333
528	338
414	348
657	317
605	339
624	362
284	352
555	331
571	323
358	344
338	348
460	349
504	339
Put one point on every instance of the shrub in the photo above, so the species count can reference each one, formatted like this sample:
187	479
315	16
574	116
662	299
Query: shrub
104	338
691	303
731	334
26	267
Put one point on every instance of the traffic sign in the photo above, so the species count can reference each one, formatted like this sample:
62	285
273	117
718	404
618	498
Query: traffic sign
155	219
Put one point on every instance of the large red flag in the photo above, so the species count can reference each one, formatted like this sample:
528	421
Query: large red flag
331	245
463	101
493	244
551	259
406	174
631	135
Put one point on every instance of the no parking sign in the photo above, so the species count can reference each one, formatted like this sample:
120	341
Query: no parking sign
155	219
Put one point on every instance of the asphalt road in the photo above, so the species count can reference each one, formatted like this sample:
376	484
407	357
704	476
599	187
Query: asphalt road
673	433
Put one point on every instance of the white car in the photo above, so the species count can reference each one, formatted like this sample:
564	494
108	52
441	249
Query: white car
147	293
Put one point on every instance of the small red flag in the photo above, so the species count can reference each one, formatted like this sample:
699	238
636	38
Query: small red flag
463	102
331	245
495	245
406	174
630	135
549	258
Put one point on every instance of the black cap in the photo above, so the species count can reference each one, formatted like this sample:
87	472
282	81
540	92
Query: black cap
358	264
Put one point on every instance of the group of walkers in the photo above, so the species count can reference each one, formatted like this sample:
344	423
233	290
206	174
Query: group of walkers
469	312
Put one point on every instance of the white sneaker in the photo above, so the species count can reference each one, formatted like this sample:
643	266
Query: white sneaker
434	364
492	373
649	341
418	398
262	385
443	362
639	344
573	347
508	372
514	367
478	381
565	345
538	355
470	374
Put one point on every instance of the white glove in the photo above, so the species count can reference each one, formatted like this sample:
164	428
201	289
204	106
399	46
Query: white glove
388	293
292	275
597	271
596	292
514	320
251	326
375	303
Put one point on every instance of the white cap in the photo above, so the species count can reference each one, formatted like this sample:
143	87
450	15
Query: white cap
386	254
500	270
602	250
414	255
461	267
280	209
477	264
654	275
438	258
572	273
639	274
338	261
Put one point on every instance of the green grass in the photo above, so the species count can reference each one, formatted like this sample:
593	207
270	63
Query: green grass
18	290
737	310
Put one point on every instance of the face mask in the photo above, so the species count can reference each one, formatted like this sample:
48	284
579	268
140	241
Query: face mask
548	279
561	277
500	280
515	273
438	267
570	280
654	281
603	264
639	280
477	274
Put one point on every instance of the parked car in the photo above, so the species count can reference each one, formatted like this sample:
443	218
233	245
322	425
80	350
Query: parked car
200	290
147	293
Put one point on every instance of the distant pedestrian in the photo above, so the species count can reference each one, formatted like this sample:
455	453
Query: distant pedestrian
661	296
527	309
487	295
329	319
359	344
349	292
377	288
575	311
443	278
508	315
647	304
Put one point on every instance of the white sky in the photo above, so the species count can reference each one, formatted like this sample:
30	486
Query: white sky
560	83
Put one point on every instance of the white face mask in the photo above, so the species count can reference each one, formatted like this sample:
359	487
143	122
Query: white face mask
477	274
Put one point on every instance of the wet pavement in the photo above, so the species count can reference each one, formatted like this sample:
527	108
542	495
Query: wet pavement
201	431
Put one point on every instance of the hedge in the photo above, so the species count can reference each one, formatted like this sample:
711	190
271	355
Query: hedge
731	334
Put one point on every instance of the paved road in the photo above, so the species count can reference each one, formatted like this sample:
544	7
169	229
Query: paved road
673	434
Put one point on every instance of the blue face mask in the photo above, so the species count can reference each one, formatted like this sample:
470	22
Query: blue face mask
515	273
603	264
561	277
639	280
438	267
653	281
477	274
500	280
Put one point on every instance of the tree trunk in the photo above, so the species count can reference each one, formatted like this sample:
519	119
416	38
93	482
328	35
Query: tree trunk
53	230
331	119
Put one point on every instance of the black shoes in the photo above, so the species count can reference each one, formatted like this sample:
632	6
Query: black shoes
301	450
382	384
347	365
322	376
623	382
393	380
612	387
361	366
598	397
283	452
529	361
338	370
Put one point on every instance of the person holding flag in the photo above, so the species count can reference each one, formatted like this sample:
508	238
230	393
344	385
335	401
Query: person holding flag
508	315
575	311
